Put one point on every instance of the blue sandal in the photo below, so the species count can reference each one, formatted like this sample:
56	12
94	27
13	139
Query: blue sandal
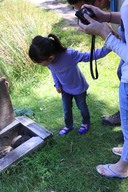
65	131
84	128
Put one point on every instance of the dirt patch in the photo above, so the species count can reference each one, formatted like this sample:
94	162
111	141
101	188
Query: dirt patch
65	10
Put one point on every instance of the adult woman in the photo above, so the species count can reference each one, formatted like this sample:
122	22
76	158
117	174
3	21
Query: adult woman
112	41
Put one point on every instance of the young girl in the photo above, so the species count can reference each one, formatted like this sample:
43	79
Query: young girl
68	79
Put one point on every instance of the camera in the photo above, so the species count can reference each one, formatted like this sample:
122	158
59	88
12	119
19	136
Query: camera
80	15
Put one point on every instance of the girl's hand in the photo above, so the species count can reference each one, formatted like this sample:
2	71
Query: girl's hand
59	90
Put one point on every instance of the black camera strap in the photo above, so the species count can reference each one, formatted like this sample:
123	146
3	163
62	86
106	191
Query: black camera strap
94	76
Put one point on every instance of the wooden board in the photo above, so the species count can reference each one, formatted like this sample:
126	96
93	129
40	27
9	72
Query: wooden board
34	127
20	151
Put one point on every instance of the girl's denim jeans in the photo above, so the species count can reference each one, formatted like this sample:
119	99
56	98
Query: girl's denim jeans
123	97
81	104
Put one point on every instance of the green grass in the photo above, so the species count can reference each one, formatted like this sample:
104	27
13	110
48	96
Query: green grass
64	164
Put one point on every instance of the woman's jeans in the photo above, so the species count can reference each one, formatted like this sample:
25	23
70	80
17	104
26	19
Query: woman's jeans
123	97
81	104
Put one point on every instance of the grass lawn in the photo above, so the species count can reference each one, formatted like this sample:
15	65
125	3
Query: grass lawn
67	163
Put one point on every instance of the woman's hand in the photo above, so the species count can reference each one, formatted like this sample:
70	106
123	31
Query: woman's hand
100	15
104	16
95	28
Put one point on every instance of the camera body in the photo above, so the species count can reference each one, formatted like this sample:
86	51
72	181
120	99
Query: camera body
81	12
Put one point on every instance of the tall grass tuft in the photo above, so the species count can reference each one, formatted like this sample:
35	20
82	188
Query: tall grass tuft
19	22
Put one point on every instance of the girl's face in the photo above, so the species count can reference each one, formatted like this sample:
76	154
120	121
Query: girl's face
47	62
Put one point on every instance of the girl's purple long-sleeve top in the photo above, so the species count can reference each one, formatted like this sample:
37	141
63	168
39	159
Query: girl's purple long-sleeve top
66	73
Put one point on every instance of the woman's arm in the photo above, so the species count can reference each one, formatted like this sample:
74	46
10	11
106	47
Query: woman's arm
119	47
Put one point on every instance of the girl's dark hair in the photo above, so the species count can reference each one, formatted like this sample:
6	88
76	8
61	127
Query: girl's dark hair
42	48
